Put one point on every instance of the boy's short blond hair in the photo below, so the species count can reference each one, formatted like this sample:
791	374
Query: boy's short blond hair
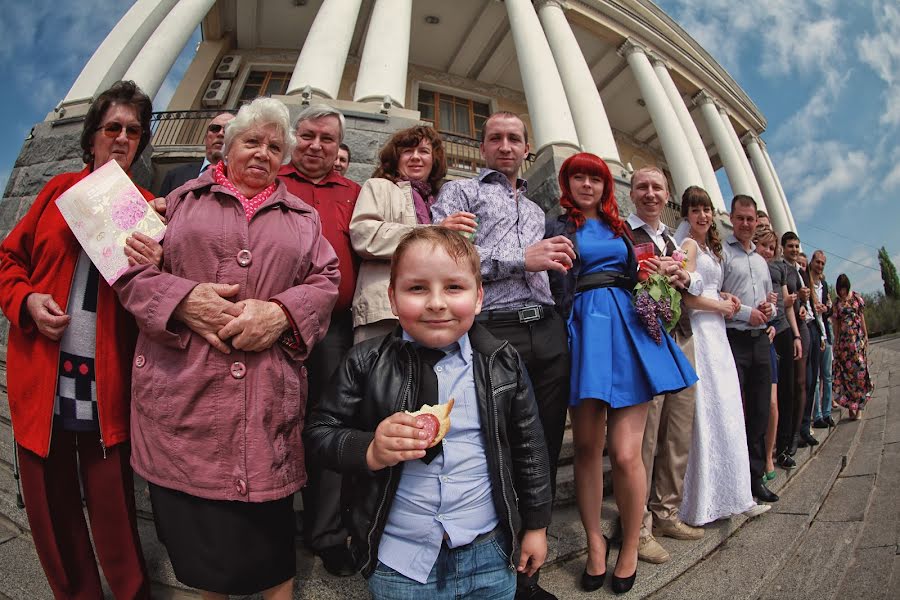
457	246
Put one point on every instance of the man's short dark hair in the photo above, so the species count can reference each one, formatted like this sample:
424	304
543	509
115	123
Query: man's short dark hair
346	149
742	200
508	114
788	236
761	213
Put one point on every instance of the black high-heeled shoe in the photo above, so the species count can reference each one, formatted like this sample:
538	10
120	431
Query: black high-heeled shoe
590	583
620	585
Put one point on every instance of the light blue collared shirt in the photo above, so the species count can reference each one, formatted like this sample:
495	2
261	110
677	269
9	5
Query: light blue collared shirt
746	275
450	495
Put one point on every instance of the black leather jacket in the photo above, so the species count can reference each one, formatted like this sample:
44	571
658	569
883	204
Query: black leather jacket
377	379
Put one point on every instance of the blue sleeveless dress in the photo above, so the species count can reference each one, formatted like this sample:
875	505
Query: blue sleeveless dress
614	359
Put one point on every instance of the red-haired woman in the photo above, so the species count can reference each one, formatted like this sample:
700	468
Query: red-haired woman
616	366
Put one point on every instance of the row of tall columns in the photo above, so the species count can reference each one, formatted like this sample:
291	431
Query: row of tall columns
332	30
564	104
698	149
119	50
591	123
671	135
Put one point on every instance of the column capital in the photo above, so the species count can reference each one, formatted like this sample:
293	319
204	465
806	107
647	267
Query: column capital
539	4
750	138
657	60
629	47
703	97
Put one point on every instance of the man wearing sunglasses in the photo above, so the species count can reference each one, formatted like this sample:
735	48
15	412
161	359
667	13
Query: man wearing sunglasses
215	137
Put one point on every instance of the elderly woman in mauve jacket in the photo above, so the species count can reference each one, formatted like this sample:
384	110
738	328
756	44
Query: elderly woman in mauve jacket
245	291
70	346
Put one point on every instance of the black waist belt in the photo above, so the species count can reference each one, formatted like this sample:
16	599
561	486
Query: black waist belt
753	333
525	314
603	279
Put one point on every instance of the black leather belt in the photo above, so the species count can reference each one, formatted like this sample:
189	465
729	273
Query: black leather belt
753	333
603	279
526	314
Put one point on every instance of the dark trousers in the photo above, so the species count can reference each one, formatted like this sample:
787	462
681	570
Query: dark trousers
323	518
54	507
784	347
751	357
813	370
800	380
544	347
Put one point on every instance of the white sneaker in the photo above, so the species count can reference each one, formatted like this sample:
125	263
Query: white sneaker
756	510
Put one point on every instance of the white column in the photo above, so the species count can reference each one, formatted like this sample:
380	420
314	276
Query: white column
698	149
385	57
591	122
775	207
156	58
116	53
756	193
737	176
324	54
548	108
674	143
784	201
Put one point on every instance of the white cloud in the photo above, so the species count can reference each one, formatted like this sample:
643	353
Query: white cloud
881	51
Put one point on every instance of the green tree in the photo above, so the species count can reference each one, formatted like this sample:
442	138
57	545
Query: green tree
888	274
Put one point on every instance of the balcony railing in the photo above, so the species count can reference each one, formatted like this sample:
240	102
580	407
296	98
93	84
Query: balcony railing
181	128
671	214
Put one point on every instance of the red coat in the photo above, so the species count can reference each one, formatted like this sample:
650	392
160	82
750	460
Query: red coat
39	255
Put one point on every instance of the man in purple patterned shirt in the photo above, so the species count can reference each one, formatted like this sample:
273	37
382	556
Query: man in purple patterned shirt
508	233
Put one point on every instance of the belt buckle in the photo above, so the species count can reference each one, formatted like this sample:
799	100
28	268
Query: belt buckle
754	333
530	313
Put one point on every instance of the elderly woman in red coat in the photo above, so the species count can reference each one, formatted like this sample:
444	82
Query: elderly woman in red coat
245	291
68	370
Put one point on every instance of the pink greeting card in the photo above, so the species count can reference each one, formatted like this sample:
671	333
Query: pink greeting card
102	210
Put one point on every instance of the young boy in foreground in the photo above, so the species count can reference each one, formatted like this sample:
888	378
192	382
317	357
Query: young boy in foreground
449	527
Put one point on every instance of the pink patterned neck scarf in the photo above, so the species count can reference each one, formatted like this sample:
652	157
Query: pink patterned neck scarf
250	205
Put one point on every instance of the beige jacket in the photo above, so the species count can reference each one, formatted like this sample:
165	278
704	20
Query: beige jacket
384	214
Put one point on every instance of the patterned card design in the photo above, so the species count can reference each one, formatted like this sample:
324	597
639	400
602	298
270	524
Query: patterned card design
102	210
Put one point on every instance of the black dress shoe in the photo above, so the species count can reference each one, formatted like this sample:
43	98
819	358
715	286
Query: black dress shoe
761	492
337	560
792	449
820	424
621	585
534	592
590	583
785	462
830	421
808	438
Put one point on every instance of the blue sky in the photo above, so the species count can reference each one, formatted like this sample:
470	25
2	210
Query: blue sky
825	73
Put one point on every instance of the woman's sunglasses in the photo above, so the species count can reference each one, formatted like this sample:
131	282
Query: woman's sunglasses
112	130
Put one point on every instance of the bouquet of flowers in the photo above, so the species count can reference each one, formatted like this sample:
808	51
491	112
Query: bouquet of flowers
656	302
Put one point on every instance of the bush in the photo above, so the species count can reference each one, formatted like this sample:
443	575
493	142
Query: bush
882	314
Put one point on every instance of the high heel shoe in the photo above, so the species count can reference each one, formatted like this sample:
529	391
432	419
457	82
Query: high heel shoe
590	583
620	585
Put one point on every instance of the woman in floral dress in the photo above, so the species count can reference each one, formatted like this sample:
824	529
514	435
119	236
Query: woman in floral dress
852	385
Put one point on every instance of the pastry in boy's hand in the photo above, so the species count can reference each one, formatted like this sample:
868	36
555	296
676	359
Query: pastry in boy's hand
435	420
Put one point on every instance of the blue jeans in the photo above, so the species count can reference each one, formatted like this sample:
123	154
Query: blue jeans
476	570
822	409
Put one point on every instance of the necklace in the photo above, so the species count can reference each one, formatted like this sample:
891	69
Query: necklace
701	243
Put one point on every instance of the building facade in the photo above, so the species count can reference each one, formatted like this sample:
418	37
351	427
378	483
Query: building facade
618	78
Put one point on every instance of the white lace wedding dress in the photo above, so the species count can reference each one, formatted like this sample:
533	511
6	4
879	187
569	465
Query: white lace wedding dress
717	482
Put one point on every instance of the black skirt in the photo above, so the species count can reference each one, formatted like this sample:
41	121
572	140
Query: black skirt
226	547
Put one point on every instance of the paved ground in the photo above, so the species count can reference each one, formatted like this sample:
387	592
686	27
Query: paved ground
834	534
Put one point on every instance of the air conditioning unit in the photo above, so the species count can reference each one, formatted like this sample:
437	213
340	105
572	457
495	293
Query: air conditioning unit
229	66
216	93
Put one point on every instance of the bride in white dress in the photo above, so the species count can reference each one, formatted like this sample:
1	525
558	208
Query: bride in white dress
717	482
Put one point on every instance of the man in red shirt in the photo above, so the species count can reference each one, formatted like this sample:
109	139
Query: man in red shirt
310	176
